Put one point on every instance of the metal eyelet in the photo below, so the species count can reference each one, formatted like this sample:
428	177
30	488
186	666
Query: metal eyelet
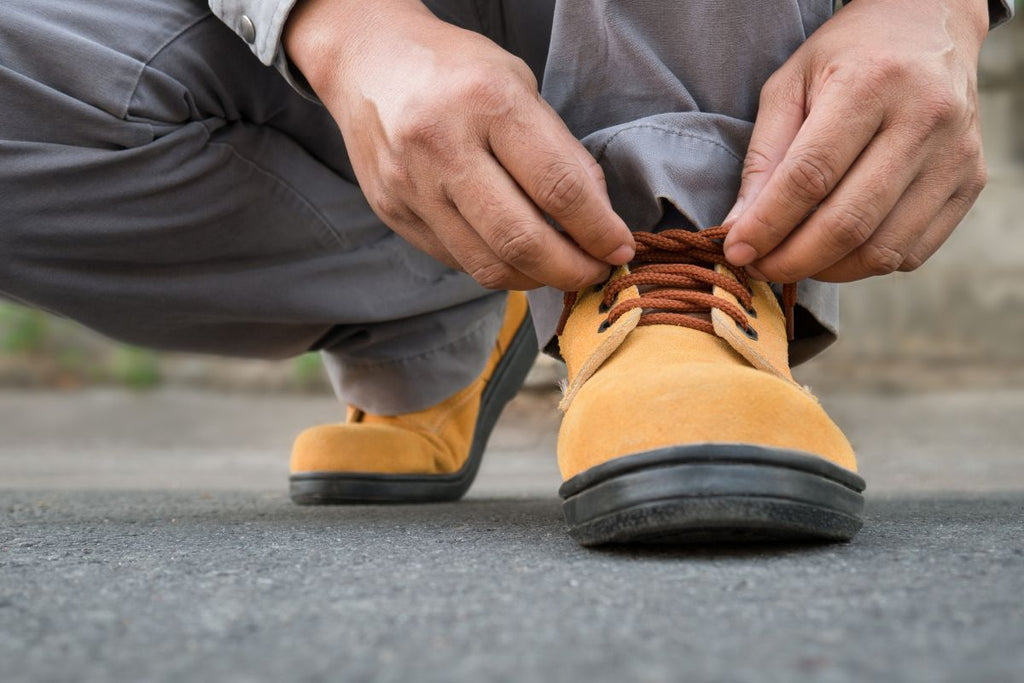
749	331
603	326
603	308
752	312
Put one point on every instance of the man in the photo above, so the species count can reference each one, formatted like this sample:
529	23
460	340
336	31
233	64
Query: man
162	186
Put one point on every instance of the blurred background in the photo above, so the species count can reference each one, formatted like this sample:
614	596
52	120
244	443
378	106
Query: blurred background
957	322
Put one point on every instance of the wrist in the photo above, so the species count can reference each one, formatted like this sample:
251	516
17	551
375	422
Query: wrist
322	38
973	17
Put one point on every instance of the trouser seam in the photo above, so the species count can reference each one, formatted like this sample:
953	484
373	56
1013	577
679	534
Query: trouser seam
156	53
284	183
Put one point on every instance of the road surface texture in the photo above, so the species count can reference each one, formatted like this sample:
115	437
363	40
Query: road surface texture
149	537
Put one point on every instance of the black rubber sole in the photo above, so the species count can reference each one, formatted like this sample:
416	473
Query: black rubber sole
333	488
733	493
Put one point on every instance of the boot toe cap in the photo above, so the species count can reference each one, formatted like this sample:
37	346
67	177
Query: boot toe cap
368	448
700	403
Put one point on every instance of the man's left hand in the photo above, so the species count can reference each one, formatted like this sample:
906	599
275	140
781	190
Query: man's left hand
866	152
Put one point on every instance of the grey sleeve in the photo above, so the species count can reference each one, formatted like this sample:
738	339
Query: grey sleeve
999	11
260	24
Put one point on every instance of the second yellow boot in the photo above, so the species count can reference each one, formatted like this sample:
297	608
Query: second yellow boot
682	420
423	456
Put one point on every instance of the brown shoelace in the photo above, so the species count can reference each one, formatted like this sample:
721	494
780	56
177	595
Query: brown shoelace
675	271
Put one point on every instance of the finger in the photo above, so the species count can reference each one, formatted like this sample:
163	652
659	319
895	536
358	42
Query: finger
515	230
473	254
402	219
558	174
898	235
851	214
780	114
416	232
836	131
940	228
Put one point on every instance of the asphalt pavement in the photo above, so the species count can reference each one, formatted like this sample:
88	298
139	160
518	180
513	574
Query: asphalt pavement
149	537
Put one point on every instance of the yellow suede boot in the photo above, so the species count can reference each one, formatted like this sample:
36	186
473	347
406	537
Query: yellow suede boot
424	456
682	420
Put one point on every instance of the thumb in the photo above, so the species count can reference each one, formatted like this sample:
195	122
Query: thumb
779	118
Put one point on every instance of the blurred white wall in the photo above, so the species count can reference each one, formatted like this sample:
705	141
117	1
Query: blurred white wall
963	312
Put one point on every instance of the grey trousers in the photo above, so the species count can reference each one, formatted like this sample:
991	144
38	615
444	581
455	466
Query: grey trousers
160	185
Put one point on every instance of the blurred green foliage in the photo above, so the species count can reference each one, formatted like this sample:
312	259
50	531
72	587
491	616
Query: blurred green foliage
135	368
308	370
37	349
22	330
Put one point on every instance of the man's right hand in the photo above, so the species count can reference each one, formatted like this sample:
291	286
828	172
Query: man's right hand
454	147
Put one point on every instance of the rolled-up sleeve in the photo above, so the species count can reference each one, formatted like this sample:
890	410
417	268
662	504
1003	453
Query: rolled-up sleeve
260	24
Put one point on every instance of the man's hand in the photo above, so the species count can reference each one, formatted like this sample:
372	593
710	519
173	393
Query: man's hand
454	147
866	152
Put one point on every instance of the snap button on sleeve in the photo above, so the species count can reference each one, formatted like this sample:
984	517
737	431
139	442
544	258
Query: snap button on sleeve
247	29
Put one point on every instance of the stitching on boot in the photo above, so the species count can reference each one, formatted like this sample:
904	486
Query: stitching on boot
616	334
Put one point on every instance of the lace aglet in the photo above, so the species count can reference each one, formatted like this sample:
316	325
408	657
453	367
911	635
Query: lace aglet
568	301
789	304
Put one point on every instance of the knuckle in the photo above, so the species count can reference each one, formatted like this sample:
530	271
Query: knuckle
977	182
941	107
850	227
489	95
393	174
492	275
884	69
387	208
561	189
873	82
755	163
911	263
777	88
422	131
770	89
596	171
969	191
879	259
969	148
811	176
519	244
522	71
445	257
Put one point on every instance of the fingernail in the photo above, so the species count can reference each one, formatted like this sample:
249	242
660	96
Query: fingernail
740	254
756	274
621	256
